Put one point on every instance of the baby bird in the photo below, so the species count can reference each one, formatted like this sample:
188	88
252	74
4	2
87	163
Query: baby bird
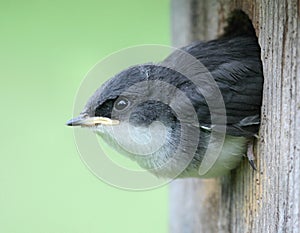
191	115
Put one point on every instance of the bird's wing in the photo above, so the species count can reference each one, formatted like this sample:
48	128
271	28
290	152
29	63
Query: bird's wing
235	65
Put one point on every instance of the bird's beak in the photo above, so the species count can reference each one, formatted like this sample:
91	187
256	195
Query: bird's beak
91	121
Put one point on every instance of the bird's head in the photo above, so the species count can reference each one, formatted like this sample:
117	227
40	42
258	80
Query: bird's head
135	112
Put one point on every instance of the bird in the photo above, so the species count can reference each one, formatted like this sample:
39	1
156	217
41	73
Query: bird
194	114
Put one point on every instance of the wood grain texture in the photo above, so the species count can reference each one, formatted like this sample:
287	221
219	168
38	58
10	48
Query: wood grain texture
267	200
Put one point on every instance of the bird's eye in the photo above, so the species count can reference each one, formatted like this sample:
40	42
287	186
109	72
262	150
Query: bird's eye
121	103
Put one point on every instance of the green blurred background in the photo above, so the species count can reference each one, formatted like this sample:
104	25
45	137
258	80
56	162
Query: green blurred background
46	48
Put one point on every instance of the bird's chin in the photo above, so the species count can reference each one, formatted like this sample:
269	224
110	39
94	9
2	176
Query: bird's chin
98	129
137	142
128	135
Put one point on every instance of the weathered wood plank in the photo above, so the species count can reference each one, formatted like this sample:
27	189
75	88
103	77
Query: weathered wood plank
246	201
